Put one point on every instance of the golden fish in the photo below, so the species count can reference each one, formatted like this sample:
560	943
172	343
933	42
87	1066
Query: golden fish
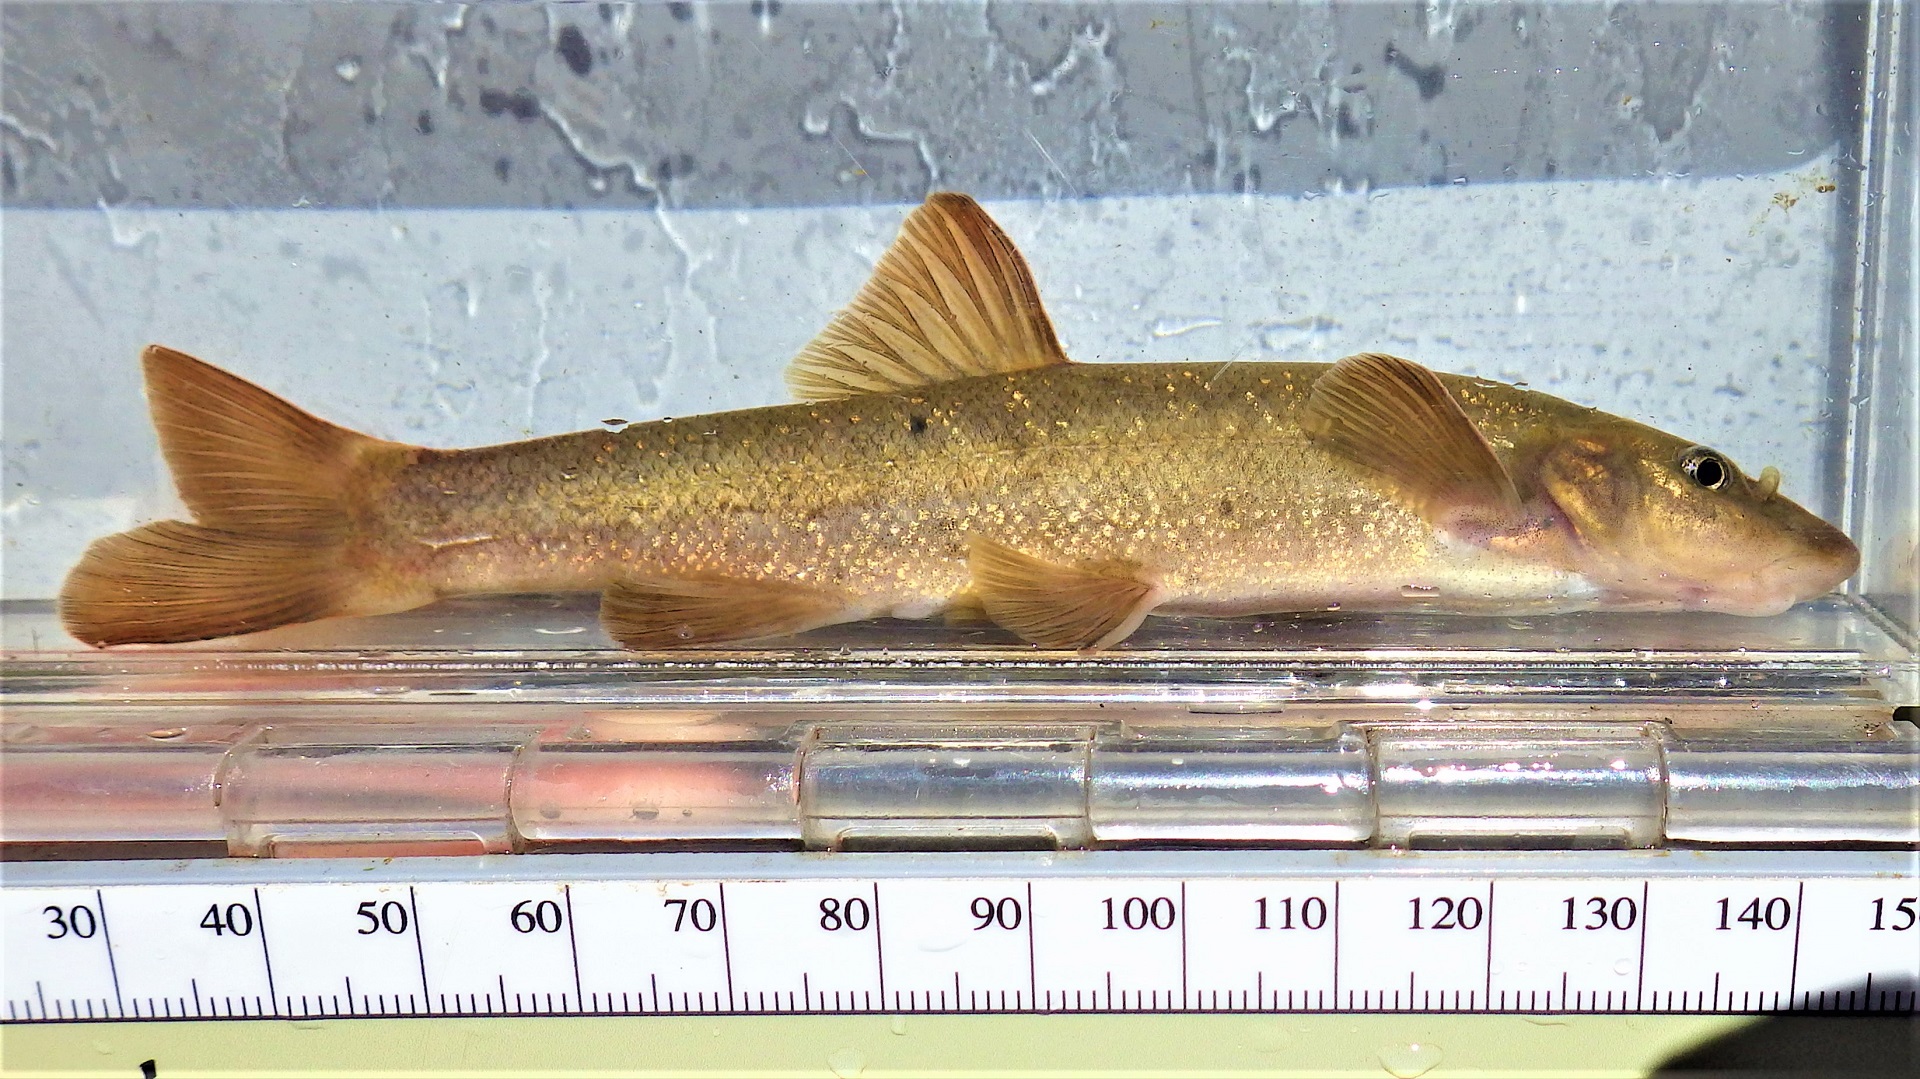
949	454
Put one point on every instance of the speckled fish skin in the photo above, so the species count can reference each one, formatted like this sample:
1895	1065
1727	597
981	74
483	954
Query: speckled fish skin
1201	474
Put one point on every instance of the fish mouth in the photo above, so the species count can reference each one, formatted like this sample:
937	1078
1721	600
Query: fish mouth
1770	589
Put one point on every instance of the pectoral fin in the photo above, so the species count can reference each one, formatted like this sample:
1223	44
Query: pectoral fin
1397	418
679	612
1059	606
952	298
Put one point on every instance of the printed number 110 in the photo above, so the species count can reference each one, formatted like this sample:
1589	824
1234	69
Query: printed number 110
1313	913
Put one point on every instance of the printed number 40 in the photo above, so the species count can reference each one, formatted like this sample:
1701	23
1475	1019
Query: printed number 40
235	919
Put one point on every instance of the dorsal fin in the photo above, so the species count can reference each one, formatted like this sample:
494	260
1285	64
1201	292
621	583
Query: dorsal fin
952	298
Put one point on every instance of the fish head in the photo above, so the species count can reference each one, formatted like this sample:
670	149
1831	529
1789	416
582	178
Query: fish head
1661	523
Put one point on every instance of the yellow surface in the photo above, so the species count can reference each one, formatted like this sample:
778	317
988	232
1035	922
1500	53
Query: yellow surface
1336	1045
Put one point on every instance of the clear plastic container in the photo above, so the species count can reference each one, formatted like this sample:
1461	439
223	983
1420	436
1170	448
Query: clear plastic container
465	225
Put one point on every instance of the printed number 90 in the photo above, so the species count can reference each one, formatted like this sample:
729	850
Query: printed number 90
1004	912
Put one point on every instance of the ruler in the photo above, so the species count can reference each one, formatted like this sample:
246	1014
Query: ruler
1299	931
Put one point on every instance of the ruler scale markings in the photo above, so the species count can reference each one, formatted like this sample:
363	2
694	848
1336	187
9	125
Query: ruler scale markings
1799	915
419	947
1184	999
1033	976
1338	929
573	950
266	955
113	968
726	943
1646	915
879	948
1489	952
1742	967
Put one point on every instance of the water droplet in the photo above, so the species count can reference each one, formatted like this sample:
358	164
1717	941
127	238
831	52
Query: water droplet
163	735
897	1024
127	229
1333	606
847	1063
1419	591
1622	966
1311	332
1177	325
348	68
1410	1060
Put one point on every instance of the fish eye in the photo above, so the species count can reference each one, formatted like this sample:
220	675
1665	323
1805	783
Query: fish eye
1706	468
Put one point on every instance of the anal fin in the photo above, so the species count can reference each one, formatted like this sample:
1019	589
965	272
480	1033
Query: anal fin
680	612
1082	607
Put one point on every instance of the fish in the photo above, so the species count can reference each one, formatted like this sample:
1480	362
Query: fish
945	455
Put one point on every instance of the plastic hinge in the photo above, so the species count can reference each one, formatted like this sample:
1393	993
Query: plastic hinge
1170	778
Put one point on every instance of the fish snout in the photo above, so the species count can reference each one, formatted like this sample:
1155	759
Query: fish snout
1821	559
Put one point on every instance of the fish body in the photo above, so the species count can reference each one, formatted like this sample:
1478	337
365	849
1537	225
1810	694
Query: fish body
1201	474
950	455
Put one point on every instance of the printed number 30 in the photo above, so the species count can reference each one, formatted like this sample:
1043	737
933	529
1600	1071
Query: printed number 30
74	921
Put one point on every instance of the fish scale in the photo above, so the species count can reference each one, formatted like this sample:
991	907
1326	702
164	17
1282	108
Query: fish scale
1070	464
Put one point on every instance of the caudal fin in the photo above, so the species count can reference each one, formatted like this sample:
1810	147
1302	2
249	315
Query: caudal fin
270	489
171	581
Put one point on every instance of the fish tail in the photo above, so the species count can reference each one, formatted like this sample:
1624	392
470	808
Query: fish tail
273	492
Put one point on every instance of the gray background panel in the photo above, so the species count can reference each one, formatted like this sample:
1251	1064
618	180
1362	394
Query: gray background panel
763	103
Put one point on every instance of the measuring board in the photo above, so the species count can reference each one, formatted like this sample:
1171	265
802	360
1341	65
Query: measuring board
1305	931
